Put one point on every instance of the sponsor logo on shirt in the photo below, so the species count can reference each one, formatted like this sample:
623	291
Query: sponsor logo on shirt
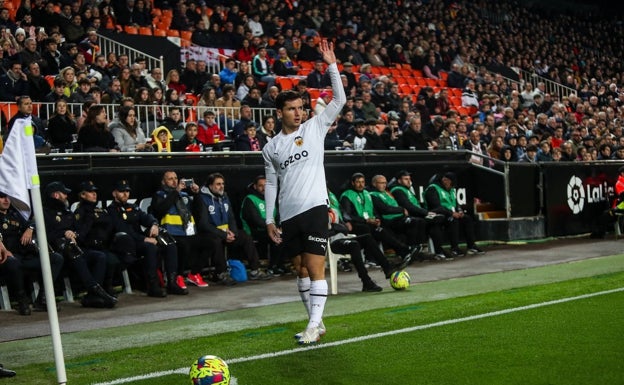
293	158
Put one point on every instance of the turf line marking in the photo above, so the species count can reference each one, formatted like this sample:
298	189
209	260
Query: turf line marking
366	337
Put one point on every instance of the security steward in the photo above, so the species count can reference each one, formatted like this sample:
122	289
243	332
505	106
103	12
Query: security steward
19	239
128	220
95	229
88	265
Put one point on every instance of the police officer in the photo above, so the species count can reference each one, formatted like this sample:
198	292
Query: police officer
18	234
171	206
127	220
253	219
89	265
95	230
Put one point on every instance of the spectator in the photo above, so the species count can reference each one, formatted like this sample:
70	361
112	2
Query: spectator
283	65
127	131
247	84
261	68
113	94
61	126
155	80
208	130
38	86
318	78
229	72
173	121
82	93
94	135
173	81
13	84
189	142
189	77
161	139
248	141
449	140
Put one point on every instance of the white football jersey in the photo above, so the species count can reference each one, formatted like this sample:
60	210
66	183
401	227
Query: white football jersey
296	160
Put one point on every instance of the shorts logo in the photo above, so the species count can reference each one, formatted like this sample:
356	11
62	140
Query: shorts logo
576	194
317	239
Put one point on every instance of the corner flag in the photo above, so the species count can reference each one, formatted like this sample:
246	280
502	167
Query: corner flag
18	166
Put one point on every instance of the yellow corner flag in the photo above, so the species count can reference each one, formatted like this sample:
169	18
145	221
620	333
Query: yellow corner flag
18	166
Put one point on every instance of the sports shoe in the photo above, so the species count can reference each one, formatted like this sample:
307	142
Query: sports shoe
475	250
181	283
256	275
321	328
441	257
196	279
310	336
225	279
345	265
371	287
370	264
456	253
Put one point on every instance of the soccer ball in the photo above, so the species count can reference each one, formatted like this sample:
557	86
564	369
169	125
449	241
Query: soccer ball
209	370
400	280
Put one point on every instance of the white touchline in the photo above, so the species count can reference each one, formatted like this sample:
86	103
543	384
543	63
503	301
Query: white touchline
366	337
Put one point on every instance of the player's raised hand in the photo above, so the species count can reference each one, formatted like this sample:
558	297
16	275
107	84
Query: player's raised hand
327	50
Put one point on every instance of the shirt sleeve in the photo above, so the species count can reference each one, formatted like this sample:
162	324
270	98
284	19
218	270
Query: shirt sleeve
270	191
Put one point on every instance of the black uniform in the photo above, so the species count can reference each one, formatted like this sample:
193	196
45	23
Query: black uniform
12	226
95	231
128	219
89	265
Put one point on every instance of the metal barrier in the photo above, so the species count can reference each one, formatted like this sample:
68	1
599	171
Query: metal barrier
151	116
108	45
550	87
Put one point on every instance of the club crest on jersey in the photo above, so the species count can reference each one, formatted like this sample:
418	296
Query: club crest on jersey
299	141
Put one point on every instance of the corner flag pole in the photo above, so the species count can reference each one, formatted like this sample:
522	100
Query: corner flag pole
48	285
18	174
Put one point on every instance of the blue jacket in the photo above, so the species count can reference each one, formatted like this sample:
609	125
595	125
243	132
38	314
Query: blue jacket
214	213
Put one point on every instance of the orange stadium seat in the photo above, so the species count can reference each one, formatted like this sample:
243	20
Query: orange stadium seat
284	82
173	33
186	35
147	31
160	32
131	30
405	88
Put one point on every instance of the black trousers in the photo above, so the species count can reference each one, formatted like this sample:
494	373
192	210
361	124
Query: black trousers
243	245
193	252
354	247
454	226
380	234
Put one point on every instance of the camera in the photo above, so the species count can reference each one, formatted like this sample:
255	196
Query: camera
164	238
187	182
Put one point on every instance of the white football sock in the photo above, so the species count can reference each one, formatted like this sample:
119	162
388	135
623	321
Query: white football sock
303	284
318	297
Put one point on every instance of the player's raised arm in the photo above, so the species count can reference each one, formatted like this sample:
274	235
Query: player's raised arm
339	97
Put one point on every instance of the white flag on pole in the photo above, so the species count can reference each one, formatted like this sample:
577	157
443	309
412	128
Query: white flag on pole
18	165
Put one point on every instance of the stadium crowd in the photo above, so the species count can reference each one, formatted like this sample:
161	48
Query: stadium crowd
49	53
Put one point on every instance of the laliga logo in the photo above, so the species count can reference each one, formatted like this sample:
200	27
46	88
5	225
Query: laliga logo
576	194
579	194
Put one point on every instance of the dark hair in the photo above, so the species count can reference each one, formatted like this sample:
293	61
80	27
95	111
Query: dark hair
123	115
212	177
357	176
92	113
286	96
266	119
